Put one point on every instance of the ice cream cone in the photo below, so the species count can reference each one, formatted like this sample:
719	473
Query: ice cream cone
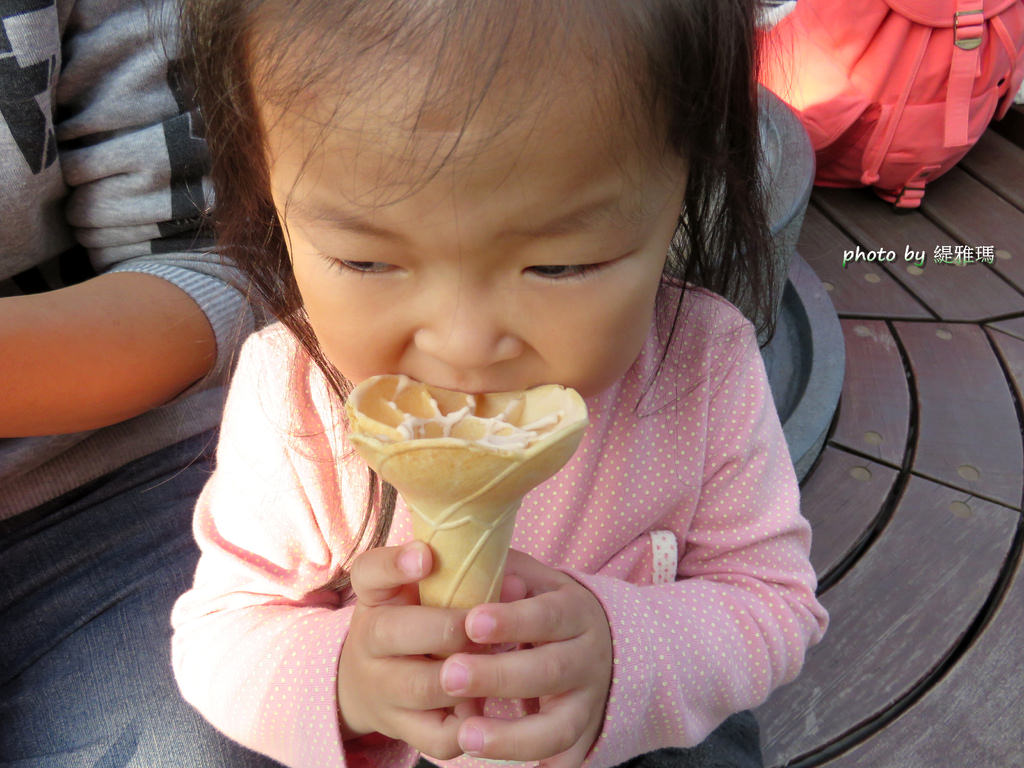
463	464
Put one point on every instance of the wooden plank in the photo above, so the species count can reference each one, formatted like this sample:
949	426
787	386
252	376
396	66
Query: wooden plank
971	293
1013	326
972	717
975	216
1011	352
874	409
860	288
841	499
968	435
896	616
999	164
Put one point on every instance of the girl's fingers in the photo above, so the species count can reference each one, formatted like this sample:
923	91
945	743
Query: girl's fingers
383	694
555	731
536	576
434	733
378	575
546	670
437	631
512	588
545	618
414	684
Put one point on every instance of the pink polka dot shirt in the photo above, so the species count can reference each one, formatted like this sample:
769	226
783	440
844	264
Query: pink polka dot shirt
679	511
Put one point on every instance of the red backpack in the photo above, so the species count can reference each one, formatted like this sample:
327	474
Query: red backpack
894	92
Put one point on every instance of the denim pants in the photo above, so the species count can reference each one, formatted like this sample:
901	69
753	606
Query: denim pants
87	583
733	744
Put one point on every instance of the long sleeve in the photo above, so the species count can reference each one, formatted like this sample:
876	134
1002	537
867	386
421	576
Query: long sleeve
737	621
101	169
256	641
133	162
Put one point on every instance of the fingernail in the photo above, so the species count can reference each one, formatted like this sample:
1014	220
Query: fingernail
411	562
480	626
454	677
471	739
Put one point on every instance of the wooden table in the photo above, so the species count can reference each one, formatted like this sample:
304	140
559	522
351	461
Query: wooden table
916	500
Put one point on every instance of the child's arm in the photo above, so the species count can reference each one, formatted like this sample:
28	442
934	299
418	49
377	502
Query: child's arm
118	167
734	626
737	622
72	364
257	642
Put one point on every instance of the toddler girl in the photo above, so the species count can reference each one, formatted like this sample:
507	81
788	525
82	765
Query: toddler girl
490	196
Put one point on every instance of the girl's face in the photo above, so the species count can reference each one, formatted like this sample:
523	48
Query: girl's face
533	256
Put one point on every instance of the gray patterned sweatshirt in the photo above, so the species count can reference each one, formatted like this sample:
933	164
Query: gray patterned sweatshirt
100	170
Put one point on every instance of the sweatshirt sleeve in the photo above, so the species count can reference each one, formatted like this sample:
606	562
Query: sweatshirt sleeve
134	161
257	639
738	619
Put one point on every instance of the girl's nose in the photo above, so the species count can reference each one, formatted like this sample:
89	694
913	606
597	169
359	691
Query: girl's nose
467	334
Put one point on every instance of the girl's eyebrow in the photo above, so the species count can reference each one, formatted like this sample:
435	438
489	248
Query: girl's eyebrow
581	217
315	213
574	220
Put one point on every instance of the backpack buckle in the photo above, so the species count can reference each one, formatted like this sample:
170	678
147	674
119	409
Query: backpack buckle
967	33
910	196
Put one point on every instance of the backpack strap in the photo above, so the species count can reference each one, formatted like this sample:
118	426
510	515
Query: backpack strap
913	191
1011	77
968	31
881	140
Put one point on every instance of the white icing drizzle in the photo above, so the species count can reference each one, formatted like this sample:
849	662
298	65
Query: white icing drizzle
544	422
499	433
413	427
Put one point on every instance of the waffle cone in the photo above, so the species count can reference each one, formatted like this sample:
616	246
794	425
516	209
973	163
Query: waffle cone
463	464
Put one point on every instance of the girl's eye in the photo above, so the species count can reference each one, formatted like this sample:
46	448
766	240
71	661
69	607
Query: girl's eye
363	267
564	271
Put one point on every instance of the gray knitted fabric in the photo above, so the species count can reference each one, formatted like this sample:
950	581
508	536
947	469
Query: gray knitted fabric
101	170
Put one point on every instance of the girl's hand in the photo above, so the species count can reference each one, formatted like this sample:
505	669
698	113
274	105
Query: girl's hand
567	664
386	682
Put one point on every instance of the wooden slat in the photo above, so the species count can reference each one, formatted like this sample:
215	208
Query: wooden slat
1013	326
860	288
895	617
970	293
970	718
1011	351
841	499
966	416
902	608
975	216
874	410
999	164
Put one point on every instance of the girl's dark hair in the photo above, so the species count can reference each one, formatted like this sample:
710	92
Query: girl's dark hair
685	72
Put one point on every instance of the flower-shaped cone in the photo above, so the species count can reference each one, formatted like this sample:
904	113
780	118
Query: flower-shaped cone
463	464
